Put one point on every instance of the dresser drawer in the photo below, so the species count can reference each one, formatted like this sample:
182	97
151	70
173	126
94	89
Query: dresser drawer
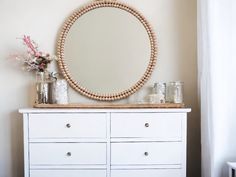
67	153
147	173
87	125
68	173
146	153
163	126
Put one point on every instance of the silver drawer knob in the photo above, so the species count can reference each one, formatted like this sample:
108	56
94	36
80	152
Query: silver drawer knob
68	125
146	153
68	154
146	124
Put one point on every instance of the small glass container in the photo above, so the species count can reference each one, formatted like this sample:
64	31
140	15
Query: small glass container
175	92
158	93
42	88
58	90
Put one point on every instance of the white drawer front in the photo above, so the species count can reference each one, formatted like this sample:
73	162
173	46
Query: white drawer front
146	153
164	126
67	173
87	125
147	173
67	153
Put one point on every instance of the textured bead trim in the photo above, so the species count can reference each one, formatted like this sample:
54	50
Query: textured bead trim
61	44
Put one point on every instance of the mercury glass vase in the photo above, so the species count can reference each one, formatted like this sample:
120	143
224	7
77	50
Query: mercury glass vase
59	91
42	88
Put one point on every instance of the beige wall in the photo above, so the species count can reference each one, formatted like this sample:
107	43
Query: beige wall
174	22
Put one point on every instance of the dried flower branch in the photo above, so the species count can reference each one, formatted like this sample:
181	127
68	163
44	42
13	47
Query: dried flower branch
33	59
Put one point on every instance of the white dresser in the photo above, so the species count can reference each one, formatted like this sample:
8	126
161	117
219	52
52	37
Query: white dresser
105	142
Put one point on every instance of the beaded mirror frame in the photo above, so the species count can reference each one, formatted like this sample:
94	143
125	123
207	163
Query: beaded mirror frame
61	44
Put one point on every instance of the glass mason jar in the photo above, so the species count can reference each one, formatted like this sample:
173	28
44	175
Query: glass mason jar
42	88
175	92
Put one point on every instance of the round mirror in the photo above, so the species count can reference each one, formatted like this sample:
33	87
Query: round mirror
107	50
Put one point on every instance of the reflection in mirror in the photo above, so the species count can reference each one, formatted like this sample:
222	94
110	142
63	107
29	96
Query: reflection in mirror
103	47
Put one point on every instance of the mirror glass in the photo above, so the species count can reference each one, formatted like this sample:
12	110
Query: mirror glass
107	50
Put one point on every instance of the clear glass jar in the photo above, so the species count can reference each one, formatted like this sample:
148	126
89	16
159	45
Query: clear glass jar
42	88
175	92
158	94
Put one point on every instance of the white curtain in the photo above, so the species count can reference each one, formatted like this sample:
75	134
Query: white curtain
217	84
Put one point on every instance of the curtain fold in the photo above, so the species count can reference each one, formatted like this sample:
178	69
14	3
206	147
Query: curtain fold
217	84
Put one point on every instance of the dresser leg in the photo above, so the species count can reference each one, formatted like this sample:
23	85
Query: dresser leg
233	173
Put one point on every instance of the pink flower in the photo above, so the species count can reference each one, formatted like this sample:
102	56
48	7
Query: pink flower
33	59
30	44
38	54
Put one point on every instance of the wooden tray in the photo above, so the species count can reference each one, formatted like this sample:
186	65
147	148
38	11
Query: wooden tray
110	106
